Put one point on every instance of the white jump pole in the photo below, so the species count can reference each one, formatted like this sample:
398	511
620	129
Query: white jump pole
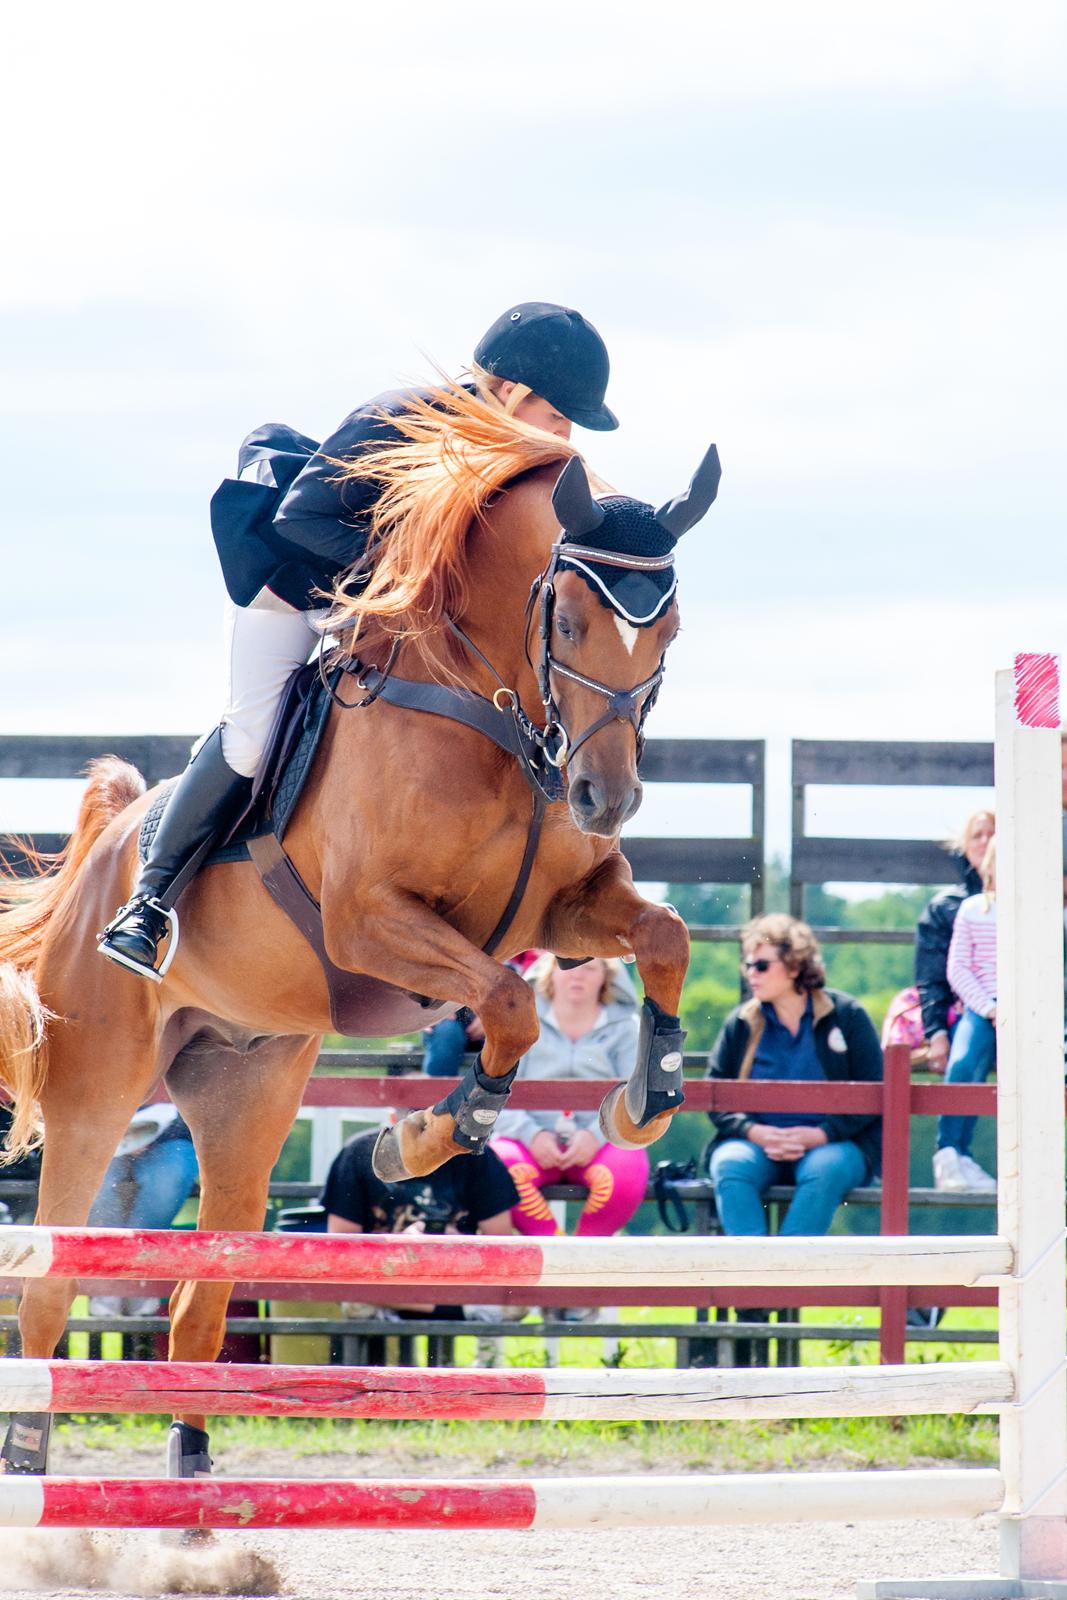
1030	1139
1030	1150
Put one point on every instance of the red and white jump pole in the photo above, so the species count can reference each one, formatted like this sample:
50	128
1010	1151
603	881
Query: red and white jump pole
545	1503
346	1258
626	1395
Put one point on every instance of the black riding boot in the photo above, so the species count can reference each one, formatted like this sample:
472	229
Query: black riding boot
207	800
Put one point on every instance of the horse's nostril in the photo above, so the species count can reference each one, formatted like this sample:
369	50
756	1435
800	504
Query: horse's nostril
586	797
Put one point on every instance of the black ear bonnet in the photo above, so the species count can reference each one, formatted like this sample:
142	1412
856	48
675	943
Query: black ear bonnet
641	587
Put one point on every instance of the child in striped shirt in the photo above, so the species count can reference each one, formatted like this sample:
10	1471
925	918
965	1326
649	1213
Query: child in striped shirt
972	972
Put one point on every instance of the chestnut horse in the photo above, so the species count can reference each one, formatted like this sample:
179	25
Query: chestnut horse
409	833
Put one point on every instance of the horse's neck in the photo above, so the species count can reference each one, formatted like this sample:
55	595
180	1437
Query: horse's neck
505	556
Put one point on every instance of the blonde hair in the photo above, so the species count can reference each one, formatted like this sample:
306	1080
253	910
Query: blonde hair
456	453
796	945
958	844
489	385
988	871
543	973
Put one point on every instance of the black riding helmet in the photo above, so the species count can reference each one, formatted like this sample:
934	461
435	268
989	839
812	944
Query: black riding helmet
557	354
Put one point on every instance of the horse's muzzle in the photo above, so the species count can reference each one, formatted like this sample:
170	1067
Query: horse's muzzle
598	809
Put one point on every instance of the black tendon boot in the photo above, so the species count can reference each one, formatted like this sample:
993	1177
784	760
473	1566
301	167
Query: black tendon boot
188	1456
25	1447
188	1452
208	798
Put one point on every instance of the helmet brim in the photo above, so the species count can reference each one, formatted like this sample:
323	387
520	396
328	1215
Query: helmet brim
602	420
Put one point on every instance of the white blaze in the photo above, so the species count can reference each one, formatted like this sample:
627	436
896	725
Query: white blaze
627	632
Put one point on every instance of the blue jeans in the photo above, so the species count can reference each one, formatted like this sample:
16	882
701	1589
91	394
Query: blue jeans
742	1172
445	1045
146	1190
971	1059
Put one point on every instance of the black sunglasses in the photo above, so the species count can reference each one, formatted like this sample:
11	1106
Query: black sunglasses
762	965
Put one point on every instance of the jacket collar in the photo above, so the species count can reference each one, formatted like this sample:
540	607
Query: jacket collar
821	1006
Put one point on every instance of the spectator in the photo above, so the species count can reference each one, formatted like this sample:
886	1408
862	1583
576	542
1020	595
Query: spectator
149	1179
447	1043
27	1169
934	934
469	1194
589	1029
972	972
793	1028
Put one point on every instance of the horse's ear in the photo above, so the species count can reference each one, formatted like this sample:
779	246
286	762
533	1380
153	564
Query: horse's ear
686	510
576	510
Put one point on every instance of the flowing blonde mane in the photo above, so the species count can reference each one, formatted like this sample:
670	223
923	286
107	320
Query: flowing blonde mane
456	453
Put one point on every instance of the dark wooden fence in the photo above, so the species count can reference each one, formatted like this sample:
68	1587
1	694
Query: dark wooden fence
819	859
707	859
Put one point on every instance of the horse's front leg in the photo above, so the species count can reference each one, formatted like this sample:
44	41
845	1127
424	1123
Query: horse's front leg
397	937
607	917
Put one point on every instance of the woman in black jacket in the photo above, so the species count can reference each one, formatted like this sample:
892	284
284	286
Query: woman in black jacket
934	935
793	1029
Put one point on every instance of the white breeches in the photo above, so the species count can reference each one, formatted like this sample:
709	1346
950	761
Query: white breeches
263	648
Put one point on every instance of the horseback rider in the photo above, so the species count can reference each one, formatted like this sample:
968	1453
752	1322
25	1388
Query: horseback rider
284	538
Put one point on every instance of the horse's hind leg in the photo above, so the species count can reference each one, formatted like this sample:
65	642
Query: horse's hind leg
94	1084
239	1107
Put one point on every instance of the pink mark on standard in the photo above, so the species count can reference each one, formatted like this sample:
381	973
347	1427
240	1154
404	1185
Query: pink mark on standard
1037	689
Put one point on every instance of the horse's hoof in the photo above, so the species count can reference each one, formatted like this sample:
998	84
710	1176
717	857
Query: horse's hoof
619	1128
386	1159
24	1451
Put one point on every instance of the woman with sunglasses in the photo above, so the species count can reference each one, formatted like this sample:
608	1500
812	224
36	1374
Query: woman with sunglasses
792	1029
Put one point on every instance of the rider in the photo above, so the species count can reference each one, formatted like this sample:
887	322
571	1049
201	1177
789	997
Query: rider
282	543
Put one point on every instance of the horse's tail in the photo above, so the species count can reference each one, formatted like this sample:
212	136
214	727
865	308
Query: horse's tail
26	907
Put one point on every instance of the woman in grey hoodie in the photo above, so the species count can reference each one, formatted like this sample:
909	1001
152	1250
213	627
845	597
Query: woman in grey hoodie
589	1029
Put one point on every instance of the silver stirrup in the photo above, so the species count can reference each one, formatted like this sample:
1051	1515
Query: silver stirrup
156	974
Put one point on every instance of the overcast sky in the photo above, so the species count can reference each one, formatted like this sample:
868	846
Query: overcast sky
830	237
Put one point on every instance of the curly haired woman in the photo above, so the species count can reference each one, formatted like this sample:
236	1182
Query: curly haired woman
792	1029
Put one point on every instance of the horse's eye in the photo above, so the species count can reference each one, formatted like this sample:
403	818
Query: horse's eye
564	626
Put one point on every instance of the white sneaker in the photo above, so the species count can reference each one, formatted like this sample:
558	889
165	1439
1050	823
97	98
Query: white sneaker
977	1177
948	1170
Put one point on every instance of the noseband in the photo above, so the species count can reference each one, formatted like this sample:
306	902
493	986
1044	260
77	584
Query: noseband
624	705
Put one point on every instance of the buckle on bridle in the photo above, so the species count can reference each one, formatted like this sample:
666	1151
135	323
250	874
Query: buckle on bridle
557	759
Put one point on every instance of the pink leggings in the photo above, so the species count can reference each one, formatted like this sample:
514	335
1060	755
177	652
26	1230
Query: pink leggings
616	1180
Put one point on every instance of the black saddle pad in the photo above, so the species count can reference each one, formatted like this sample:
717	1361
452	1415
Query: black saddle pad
283	771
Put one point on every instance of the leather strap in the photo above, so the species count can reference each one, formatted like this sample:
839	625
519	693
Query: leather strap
353	995
473	711
533	839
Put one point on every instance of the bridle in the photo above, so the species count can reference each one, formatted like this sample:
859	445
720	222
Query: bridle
542	751
624	705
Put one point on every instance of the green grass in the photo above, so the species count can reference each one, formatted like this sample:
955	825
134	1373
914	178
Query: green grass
502	1447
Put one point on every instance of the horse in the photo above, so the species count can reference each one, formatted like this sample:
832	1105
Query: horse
409	832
